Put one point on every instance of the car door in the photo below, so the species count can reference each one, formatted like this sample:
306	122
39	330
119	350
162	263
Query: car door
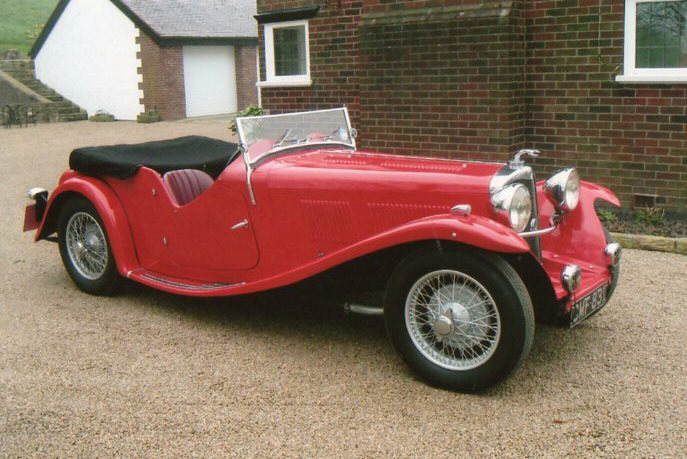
213	232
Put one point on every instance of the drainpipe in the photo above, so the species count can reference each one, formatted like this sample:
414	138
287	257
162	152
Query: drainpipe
257	78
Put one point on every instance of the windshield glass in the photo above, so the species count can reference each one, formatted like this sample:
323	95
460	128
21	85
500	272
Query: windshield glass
265	135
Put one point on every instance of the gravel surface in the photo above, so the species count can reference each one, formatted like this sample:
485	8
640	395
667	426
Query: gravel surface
149	374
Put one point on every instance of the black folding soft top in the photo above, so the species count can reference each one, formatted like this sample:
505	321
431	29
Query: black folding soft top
122	161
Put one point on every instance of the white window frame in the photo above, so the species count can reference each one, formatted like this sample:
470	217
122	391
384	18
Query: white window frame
633	74
273	80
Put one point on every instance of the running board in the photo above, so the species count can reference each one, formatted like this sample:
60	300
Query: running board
181	286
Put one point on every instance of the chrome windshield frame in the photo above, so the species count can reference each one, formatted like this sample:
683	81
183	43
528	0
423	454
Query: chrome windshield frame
261	157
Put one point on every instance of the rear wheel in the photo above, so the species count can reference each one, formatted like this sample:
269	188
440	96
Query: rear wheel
461	320
85	248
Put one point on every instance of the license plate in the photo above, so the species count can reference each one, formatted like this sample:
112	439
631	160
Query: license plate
588	305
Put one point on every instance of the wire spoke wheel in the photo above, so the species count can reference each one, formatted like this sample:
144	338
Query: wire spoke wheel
86	245
461	319
452	320
85	248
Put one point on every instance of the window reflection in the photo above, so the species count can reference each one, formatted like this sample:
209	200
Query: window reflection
661	34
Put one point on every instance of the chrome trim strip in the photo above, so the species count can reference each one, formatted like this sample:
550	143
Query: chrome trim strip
350	128
249	171
171	283
538	232
462	209
239	225
314	145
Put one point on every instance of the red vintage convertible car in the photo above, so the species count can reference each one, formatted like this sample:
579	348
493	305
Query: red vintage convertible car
466	252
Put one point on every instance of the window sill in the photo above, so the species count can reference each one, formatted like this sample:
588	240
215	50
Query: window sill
284	84
648	79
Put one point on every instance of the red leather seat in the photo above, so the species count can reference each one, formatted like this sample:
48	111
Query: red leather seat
186	184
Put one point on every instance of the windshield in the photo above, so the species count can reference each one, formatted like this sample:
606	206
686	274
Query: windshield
265	135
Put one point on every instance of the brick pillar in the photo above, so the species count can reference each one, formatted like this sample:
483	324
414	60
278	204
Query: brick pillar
162	68
246	76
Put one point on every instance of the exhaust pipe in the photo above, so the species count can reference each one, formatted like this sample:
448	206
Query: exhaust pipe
363	309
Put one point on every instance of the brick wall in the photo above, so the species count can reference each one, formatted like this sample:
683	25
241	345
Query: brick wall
246	72
333	55
632	138
441	80
163	78
482	79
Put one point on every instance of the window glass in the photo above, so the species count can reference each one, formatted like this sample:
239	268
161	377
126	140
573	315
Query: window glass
661	34
289	51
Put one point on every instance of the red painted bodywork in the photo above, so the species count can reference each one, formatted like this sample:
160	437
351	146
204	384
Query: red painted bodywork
579	240
315	210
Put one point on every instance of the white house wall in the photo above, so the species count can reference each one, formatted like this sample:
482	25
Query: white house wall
90	58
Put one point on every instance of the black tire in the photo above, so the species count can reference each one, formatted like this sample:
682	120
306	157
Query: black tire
509	345
103	279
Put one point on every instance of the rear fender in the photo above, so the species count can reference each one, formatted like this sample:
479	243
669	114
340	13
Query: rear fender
109	208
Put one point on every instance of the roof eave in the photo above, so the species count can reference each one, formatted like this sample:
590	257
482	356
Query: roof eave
190	40
47	29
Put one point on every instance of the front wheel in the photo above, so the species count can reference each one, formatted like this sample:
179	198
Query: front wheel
85	248
462	320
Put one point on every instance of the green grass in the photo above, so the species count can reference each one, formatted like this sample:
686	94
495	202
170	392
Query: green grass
18	17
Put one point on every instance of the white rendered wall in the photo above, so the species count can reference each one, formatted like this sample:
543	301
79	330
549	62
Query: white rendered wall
209	80
90	58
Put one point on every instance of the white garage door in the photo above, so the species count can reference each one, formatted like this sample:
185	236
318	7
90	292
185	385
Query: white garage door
209	80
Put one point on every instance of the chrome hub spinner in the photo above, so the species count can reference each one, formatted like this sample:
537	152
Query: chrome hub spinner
443	326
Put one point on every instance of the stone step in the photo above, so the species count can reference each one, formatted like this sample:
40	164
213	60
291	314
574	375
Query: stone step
60	109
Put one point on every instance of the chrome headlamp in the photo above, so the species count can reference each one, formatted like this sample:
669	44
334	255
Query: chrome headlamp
513	204
563	189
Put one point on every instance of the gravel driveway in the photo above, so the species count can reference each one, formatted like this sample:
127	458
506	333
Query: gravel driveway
149	374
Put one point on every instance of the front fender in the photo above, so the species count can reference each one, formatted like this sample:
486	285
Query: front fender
579	239
109	208
470	230
581	233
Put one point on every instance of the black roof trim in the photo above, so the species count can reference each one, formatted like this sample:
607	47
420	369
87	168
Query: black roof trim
54	17
57	13
289	14
140	23
180	41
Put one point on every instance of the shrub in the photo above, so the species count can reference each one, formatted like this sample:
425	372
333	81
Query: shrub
607	215
251	110
102	116
148	117
652	216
